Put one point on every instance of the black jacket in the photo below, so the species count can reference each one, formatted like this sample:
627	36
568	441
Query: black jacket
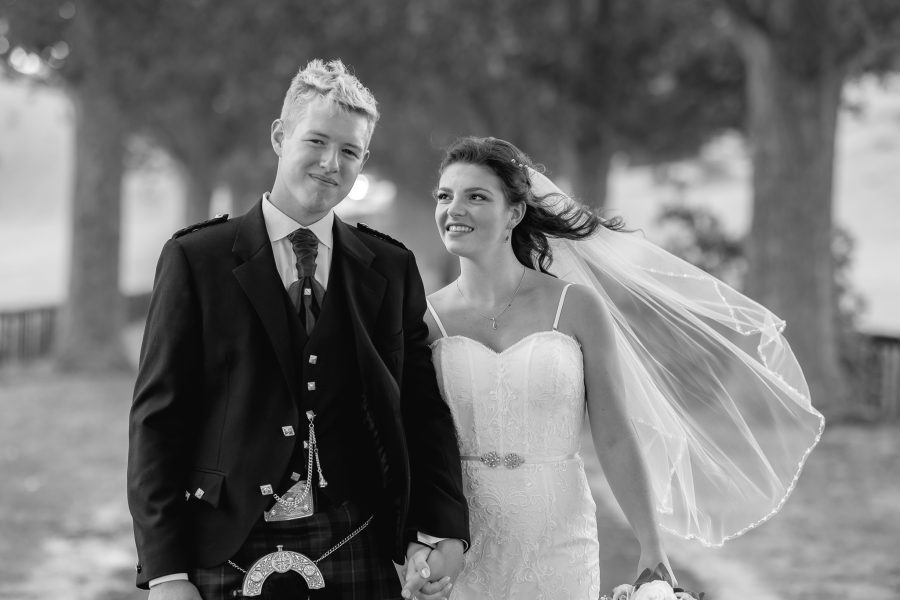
217	382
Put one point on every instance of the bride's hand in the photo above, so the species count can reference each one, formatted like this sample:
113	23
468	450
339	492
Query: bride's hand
654	564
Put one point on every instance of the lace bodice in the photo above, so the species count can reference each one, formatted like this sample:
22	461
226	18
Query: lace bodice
528	399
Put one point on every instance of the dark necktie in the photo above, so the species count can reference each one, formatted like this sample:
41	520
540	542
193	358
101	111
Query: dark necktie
306	293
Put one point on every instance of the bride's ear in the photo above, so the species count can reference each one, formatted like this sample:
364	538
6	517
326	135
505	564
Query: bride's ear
518	213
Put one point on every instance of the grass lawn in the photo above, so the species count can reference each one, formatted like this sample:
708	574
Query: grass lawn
65	530
837	536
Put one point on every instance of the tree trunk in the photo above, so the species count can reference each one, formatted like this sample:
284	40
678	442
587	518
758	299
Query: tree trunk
585	165
792	127
199	185
247	181
94	316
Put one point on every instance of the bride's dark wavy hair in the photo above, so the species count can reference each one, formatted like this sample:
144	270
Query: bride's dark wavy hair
542	219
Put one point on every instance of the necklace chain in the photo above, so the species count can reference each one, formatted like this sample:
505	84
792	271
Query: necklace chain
493	319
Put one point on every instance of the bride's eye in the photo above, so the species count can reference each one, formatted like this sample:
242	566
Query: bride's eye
440	196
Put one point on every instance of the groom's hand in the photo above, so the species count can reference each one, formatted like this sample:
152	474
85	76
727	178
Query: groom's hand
447	558
425	578
446	561
431	572
174	590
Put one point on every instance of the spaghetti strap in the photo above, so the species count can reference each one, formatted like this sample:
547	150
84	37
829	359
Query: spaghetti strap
436	318
562	298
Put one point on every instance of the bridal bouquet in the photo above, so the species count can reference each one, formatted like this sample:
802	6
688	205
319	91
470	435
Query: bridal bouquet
651	590
651	585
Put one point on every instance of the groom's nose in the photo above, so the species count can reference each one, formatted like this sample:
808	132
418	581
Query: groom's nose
329	160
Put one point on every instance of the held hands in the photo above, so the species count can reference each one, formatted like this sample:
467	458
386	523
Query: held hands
174	590
430	573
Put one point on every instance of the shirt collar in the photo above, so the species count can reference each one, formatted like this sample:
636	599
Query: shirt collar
279	225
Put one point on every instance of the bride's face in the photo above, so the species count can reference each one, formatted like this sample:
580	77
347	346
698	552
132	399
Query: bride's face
471	210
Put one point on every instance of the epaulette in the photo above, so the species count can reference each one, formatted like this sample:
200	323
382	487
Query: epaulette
200	225
382	236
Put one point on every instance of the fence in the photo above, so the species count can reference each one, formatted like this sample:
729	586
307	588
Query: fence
28	334
880	374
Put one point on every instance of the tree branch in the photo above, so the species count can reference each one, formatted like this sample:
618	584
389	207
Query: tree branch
755	16
873	44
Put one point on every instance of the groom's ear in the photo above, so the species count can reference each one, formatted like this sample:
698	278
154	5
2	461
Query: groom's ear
277	135
364	158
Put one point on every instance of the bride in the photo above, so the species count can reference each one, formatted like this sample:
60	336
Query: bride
522	355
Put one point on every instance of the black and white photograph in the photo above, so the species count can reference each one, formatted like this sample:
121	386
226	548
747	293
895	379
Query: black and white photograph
450	300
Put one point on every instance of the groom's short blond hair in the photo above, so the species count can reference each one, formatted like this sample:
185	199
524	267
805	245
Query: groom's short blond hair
334	82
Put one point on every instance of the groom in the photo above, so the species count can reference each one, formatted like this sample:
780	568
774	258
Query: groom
286	407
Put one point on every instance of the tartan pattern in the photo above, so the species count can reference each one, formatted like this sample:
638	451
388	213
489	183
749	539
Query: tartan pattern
355	571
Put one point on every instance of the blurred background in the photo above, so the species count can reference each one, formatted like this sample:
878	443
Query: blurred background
758	139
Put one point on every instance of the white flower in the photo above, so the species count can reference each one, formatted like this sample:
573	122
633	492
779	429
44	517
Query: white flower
623	592
654	590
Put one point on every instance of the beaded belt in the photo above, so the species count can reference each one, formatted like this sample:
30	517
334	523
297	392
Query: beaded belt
512	460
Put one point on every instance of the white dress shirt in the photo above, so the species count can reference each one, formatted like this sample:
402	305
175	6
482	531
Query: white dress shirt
280	226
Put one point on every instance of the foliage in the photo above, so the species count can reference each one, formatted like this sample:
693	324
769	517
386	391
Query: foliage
695	234
657	76
653	79
573	83
812	36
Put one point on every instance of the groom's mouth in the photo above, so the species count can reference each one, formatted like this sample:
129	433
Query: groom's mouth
323	179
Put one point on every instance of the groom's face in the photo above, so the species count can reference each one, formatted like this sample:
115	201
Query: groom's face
319	159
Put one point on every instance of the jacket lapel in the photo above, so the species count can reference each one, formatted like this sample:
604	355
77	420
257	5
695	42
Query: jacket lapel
365	286
259	279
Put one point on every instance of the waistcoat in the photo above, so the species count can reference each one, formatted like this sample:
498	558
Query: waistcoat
329	377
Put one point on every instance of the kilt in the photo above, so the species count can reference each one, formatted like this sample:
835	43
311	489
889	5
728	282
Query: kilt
355	571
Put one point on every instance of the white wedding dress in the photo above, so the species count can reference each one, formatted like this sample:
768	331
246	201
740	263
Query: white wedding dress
533	527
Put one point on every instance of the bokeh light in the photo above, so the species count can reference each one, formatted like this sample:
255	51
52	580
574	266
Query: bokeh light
360	189
59	50
25	62
67	10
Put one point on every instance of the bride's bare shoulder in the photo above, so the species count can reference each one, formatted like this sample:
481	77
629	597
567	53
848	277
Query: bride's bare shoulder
584	312
550	286
439	303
